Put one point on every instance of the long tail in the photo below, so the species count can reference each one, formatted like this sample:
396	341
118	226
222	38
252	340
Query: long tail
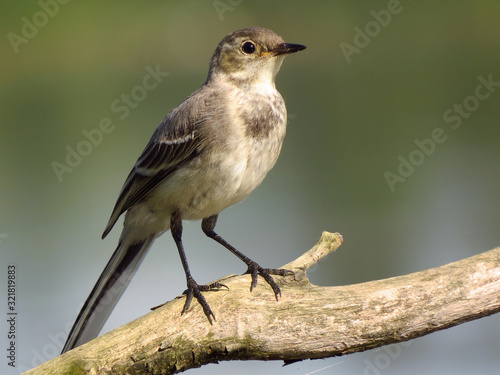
107	291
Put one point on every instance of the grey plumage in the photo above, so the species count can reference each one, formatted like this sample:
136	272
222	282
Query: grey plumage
209	153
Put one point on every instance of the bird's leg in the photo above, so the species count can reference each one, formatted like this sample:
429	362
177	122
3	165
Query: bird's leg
254	269
193	289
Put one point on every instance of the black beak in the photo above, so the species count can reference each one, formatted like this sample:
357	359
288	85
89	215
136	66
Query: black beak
287	48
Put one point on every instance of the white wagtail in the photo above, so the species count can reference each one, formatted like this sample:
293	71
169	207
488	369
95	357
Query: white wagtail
207	154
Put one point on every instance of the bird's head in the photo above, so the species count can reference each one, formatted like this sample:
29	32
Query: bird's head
250	56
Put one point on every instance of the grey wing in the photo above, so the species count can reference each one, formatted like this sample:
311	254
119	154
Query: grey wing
163	155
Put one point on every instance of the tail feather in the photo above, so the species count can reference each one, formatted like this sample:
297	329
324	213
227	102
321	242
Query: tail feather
107	291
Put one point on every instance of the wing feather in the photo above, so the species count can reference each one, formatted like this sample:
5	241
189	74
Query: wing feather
158	160
174	142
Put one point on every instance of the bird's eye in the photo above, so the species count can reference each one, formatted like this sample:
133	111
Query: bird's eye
248	47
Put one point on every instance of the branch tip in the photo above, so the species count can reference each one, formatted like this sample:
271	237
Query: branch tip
327	243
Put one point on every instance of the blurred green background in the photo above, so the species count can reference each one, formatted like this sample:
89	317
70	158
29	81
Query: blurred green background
352	118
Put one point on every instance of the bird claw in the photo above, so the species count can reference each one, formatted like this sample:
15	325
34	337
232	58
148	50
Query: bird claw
255	270
194	290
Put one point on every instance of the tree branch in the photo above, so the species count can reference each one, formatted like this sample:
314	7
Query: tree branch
309	321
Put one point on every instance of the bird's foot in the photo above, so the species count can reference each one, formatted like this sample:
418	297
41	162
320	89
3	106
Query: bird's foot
194	290
254	270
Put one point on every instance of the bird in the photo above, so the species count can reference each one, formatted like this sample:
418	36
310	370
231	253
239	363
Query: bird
208	153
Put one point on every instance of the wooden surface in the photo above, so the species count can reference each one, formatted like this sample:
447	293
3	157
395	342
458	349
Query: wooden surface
308	321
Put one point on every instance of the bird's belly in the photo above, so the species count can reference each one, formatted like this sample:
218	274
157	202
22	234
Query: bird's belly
207	186
260	160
